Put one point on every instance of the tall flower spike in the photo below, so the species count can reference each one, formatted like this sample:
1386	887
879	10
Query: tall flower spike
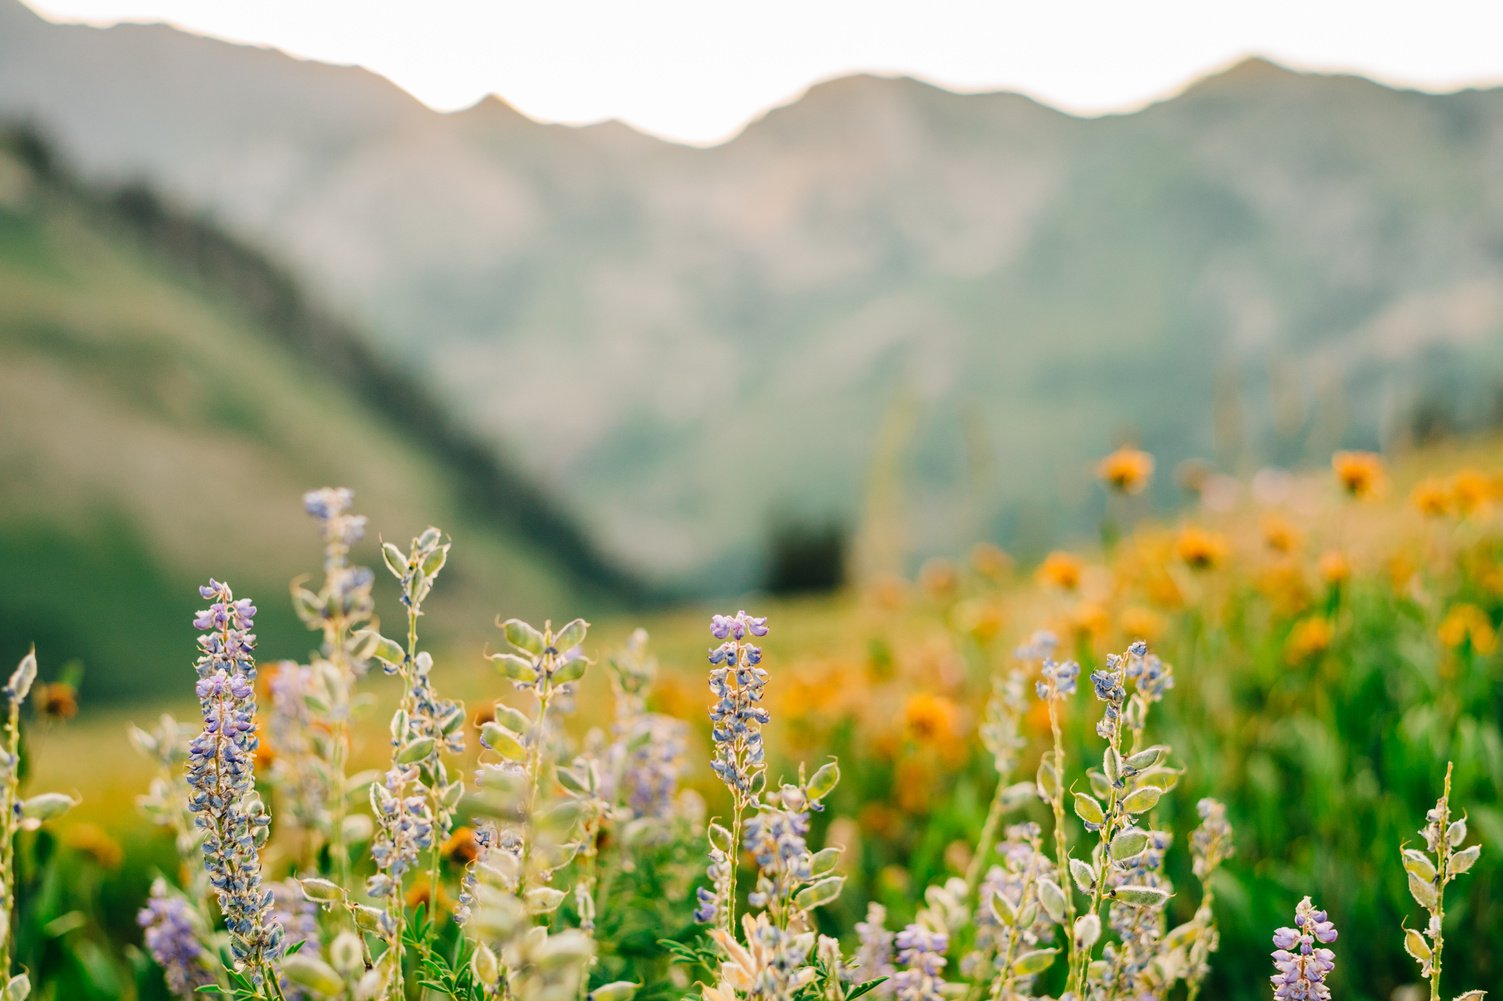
223	797
172	938
1300	958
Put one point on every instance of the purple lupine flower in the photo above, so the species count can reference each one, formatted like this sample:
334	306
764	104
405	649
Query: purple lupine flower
299	919
776	837
171	934
223	799
1058	680
737	717
874	952
1108	685
1303	965
922	952
1211	844
1150	676
404	828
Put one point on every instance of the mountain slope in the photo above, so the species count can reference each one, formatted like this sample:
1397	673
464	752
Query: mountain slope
161	426
686	342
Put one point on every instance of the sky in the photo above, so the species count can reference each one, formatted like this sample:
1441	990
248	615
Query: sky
698	70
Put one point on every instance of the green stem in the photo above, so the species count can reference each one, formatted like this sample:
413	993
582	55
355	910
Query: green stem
8	830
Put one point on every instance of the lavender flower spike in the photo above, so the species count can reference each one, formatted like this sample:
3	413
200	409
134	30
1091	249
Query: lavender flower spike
171	934
1302	965
223	799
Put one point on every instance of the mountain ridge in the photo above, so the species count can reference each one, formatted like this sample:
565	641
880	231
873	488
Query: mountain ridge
621	312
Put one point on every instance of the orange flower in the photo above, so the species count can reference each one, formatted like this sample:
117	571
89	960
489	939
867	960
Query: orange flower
990	561
931	718
1090	620
1468	624
1471	491
1062	570
1199	549
1334	567
56	701
1127	470
938	578
1359	473
461	847
1431	498
889	592
1309	638
1279	534
421	892
1139	623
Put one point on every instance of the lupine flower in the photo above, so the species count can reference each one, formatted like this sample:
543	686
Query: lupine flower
172	939
922	952
875	950
1108	685
299	919
1302	964
1140	930
1211	844
220	773
775	838
1058	680
1013	888
737	717
404	828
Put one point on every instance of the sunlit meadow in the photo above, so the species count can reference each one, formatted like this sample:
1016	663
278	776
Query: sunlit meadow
1251	750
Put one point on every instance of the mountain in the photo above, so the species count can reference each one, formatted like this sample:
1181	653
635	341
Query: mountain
168	395
690	344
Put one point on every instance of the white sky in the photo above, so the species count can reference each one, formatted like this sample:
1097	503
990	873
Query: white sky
697	70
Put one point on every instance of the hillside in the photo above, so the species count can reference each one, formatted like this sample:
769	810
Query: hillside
1262	267
162	421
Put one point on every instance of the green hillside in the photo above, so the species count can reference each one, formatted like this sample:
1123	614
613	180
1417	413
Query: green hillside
167	397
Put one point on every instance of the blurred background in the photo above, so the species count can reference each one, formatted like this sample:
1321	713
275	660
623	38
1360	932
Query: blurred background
758	342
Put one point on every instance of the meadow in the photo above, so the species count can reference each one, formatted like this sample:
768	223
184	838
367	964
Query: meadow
1268	724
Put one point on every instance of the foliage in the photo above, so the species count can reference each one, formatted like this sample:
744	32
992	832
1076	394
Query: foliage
991	830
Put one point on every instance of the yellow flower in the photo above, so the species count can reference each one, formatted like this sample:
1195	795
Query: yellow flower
1334	567
938	578
1090	620
1359	473
1431	498
1279	534
1127	470
56	701
931	718
1468	624
1309	638
1062	570
461	847
990	561
1139	623
1471	491
1199	549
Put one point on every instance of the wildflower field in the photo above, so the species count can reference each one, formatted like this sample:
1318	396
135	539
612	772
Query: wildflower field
1250	749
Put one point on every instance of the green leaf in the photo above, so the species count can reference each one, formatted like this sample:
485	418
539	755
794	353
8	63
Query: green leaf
1128	844
570	636
1089	810
1084	875
1033	962
1140	896
522	636
1141	800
